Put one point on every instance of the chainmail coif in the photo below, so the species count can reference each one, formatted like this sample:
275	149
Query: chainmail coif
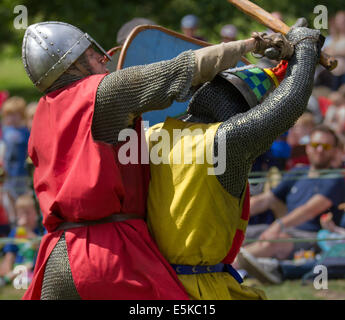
247	134
216	101
70	75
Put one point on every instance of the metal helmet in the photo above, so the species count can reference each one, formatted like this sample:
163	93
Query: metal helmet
50	48
255	83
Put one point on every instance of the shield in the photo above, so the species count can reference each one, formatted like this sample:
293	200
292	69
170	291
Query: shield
148	44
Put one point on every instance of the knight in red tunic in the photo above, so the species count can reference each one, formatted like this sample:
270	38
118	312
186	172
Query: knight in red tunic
93	205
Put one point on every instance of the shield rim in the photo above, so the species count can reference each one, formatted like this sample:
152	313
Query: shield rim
175	34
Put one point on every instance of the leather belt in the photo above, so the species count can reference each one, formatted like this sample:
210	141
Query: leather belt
113	218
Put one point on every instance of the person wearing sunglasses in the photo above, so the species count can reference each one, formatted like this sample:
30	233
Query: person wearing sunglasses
303	195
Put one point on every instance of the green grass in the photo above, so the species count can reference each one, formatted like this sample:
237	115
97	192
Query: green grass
289	290
10	293
294	290
14	79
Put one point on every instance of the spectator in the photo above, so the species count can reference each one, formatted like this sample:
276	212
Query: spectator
314	108
277	156
298	137
228	33
22	253
30	112
128	27
190	25
332	32
336	48
15	137
299	134
305	199
338	159
4	217
279	152
324	77
321	93
335	115
342	89
304	261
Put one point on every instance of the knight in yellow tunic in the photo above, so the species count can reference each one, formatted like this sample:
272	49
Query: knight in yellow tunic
198	205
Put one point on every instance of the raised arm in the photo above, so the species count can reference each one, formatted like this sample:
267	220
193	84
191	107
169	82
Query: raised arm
125	94
249	134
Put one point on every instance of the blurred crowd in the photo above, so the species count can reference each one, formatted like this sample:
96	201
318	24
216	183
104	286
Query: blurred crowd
19	212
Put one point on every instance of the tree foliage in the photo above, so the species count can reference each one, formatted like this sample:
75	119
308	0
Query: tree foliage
103	18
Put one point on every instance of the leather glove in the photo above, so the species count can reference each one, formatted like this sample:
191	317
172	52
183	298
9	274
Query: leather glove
274	46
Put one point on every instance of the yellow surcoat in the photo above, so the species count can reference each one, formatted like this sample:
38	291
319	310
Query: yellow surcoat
192	218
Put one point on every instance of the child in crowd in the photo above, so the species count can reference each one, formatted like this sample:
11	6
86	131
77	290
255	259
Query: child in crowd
15	136
22	253
30	112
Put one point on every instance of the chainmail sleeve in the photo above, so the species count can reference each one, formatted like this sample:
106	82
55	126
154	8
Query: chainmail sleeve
125	94
247	135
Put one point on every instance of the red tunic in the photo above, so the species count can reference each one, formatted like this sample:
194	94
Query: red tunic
79	179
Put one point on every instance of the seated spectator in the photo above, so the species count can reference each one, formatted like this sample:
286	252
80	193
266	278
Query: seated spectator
276	156
338	161
321	93
21	253
15	138
190	25
298	137
300	202
331	240
228	33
